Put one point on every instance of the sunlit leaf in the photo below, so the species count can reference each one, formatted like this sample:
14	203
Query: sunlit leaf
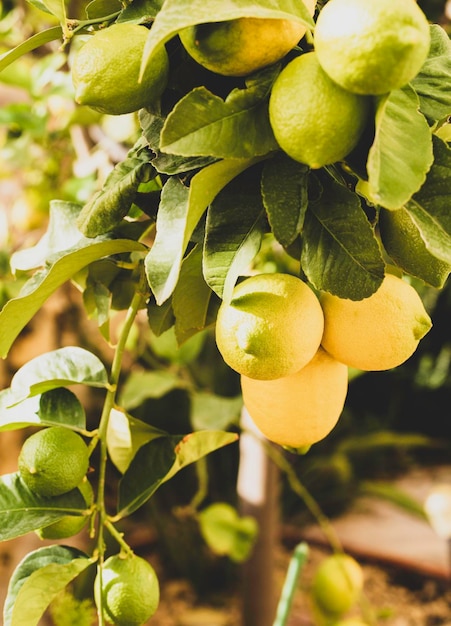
226	532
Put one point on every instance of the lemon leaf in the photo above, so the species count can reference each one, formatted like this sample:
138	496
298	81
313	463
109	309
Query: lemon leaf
203	124
435	101
226	532
37	580
234	230
401	154
429	207
340	253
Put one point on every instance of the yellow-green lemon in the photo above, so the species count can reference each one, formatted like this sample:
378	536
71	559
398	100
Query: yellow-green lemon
337	584
272	326
299	410
106	70
376	333
128	590
53	461
372	47
244	45
314	120
69	525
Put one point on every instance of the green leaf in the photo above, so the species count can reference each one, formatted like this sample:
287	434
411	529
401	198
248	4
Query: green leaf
401	154
38	579
35	41
111	203
284	192
54	407
203	124
160	317
212	412
226	533
141	12
56	8
340	253
64	366
178	14
22	511
179	213
141	386
17	312
125	435
394	495
429	207
429	84
191	298
233	233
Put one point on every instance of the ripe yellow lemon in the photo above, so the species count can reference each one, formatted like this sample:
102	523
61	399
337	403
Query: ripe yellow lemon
128	589
403	242
337	584
379	332
242	46
314	120
106	69
53	461
69	525
271	328
372	47
298	410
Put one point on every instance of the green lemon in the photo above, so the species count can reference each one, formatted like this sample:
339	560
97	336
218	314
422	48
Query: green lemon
337	584
106	70
241	46
372	47
314	120
403	242
271	328
128	589
69	525
53	461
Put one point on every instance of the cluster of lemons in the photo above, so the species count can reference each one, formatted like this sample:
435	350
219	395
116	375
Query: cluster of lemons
293	348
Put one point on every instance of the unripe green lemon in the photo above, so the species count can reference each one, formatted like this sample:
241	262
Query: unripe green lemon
376	333
299	410
106	69
337	584
271	328
53	461
403	242
242	46
314	120
129	589
372	47
69	525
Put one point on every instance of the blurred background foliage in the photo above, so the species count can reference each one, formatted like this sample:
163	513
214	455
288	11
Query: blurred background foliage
52	149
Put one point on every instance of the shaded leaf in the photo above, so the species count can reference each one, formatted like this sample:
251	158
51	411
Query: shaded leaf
212	412
340	253
38	579
141	386
391	493
226	532
401	154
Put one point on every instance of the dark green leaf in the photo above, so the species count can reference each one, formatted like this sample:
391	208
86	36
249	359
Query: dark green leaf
22	511
340	253
160	317
38	579
284	192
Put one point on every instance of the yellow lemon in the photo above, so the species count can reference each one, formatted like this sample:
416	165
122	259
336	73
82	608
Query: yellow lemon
53	461
242	46
106	69
337	584
314	120
372	47
298	410
271	328
128	589
376	333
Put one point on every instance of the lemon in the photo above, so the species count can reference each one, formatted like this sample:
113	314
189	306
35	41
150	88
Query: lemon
379	332
314	120
350	622
53	461
128	589
337	584
301	409
106	69
371	47
403	242
242	46
271	328
69	525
